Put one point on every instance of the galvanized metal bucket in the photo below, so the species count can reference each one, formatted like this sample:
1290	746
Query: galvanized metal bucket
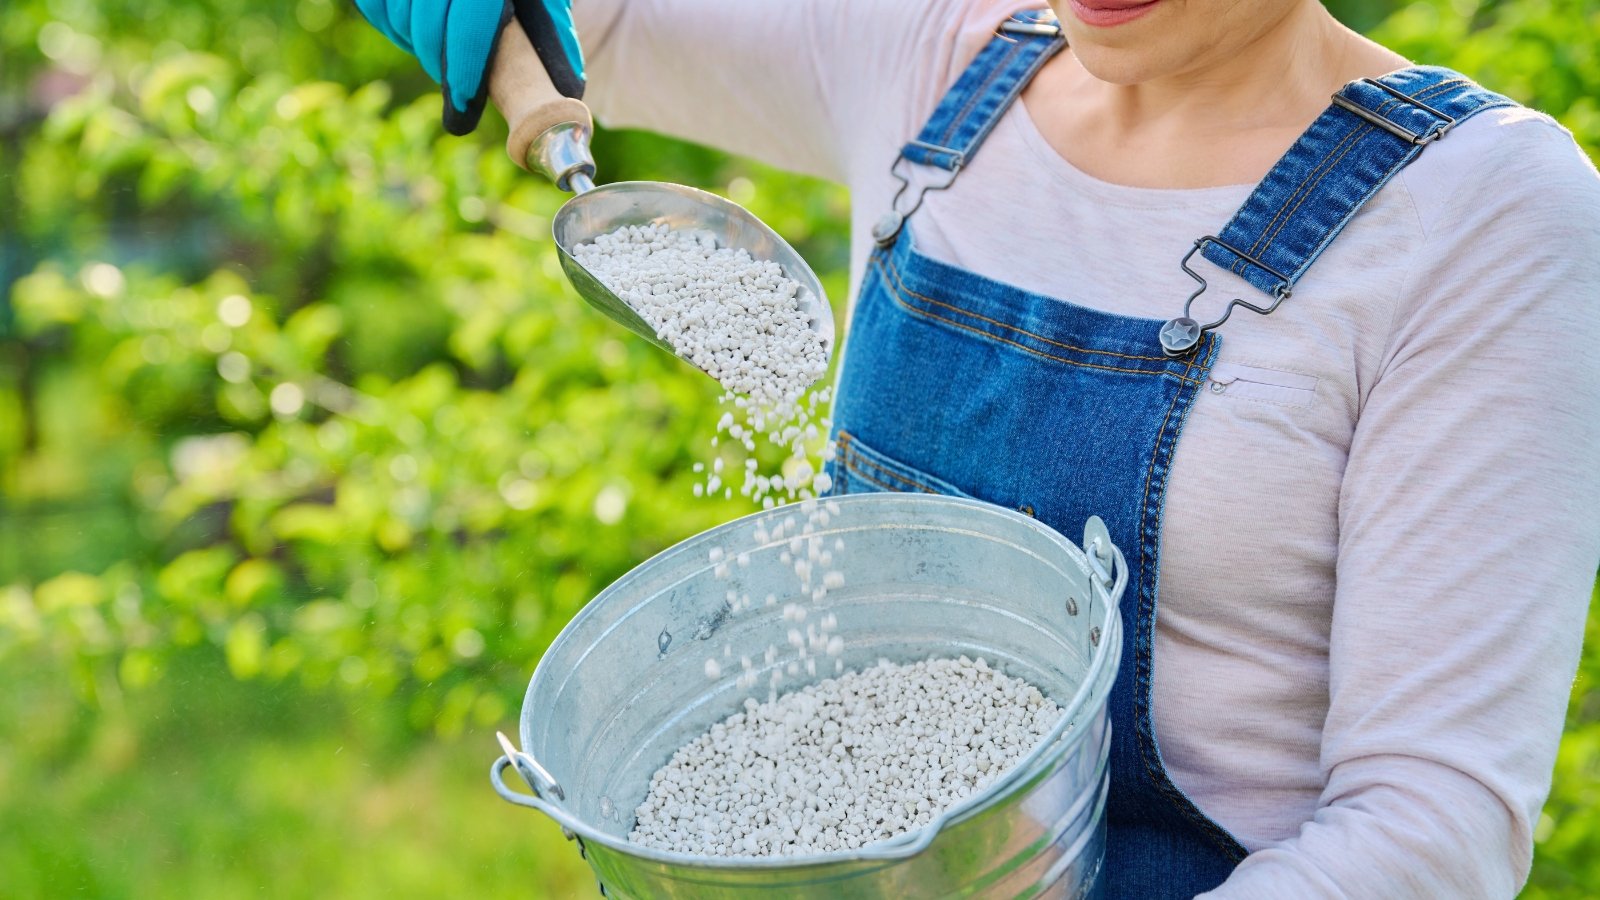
624	686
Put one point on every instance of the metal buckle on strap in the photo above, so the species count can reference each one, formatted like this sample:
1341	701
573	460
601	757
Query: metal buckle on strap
1181	334
1042	29
1045	25
1400	131
960	158
888	227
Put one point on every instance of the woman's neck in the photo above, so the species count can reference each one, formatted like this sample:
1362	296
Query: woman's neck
1222	118
1291	66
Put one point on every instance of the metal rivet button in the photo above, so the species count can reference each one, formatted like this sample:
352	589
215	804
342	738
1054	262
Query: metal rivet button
884	232
1179	334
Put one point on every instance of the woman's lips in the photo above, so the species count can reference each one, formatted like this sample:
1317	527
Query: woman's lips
1105	13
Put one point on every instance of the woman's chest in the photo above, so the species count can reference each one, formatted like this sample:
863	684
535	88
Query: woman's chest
1020	215
1259	462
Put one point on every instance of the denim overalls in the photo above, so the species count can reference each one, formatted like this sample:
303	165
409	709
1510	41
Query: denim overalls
954	383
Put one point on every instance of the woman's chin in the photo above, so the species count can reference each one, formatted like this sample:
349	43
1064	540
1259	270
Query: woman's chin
1132	64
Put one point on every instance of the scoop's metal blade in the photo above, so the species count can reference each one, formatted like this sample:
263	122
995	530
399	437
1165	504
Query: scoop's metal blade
609	207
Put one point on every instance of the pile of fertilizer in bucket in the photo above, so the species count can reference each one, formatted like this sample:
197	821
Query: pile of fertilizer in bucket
745	323
844	762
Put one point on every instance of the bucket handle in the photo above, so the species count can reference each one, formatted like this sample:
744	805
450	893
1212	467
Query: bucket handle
538	777
544	786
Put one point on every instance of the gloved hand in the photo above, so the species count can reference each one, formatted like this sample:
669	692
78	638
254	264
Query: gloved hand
455	42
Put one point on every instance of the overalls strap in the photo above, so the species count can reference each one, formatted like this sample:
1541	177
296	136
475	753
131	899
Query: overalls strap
971	108
986	90
1373	128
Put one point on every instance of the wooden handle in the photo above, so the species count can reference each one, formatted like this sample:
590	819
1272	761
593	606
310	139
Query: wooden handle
521	90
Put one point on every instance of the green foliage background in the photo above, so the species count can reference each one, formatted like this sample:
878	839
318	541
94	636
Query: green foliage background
307	451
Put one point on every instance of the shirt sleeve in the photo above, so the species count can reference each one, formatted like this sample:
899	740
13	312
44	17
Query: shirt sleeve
814	86
1469	526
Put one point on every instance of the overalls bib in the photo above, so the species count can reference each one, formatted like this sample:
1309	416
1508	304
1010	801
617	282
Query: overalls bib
954	383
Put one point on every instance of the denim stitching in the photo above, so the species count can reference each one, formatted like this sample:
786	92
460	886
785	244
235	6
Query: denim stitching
1332	165
1333	232
1238	265
1359	132
1020	80
1224	840
992	72
857	457
1426	93
1465	105
1024	347
1349	139
1285	214
1352	135
1146	608
961	121
897	288
1362	133
864	476
848	451
1143	661
888	487
852	455
901	285
1000	70
842	462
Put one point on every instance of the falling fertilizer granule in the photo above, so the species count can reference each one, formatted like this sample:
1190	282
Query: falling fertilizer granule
844	762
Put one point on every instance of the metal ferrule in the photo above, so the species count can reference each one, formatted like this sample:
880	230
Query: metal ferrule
562	154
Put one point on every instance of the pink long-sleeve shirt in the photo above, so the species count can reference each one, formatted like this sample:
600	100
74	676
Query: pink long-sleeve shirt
1384	513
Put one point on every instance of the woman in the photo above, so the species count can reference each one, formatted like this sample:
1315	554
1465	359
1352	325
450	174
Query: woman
1367	518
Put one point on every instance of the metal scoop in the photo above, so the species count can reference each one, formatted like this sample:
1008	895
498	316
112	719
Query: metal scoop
550	133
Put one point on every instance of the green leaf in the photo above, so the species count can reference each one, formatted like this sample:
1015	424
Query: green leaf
309	522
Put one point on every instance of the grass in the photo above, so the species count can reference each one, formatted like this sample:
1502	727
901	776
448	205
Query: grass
207	787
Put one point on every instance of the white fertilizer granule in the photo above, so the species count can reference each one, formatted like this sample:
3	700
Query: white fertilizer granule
745	323
844	762
738	318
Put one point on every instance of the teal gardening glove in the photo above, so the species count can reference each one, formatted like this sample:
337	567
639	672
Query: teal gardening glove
455	42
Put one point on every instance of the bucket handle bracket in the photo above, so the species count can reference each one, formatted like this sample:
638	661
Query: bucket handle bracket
1110	570
546	789
543	783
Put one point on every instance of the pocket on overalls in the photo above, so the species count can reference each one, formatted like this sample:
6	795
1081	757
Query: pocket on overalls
1278	386
859	469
